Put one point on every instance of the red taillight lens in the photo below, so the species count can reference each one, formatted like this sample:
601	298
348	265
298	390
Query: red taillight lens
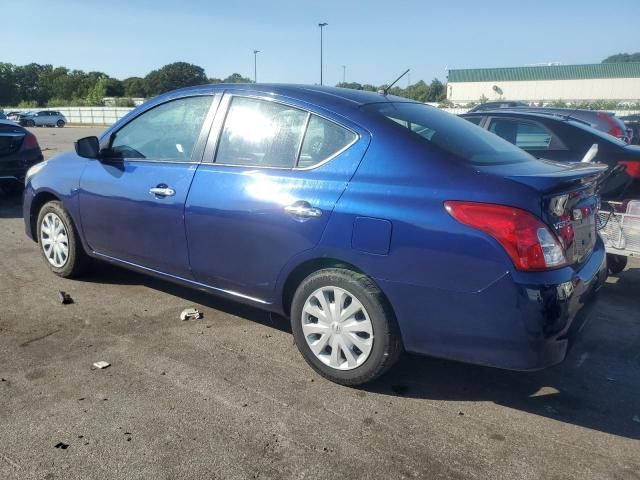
30	141
527	240
614	128
633	167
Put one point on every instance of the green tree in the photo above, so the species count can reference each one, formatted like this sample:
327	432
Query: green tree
437	91
172	76
134	87
114	87
97	93
237	78
623	58
8	89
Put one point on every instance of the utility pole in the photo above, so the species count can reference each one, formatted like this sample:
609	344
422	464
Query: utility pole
321	25
255	65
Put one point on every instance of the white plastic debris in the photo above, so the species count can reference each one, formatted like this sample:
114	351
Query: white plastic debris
101	364
190	314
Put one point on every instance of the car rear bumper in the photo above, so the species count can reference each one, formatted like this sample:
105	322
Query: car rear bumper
519	322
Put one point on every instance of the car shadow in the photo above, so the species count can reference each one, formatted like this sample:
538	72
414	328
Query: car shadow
596	387
10	205
110	274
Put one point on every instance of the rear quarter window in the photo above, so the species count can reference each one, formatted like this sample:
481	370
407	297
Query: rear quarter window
450	133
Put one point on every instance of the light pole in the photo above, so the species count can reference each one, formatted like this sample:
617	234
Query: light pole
255	65
344	74
321	25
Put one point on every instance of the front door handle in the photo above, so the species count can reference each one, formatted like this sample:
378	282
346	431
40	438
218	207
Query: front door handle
162	190
302	209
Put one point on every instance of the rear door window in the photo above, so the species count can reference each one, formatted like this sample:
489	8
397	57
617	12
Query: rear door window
525	134
261	133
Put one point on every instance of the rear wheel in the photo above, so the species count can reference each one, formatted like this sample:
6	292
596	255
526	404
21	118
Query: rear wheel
60	123
616	263
344	327
59	242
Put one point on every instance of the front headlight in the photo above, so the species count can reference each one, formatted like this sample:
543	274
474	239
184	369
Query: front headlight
33	170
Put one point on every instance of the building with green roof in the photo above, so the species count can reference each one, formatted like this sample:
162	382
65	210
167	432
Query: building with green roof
571	83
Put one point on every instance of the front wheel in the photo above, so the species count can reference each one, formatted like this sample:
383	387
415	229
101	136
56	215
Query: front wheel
344	327
60	123
30	123
59	242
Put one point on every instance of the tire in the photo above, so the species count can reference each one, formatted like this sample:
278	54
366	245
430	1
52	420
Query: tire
616	263
378	351
29	123
60	123
76	261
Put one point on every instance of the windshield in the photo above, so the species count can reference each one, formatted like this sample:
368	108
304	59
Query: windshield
451	133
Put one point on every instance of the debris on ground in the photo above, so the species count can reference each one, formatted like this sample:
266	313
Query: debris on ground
64	298
190	314
62	446
101	364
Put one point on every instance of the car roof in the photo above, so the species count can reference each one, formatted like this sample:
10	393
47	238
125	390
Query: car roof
527	114
310	93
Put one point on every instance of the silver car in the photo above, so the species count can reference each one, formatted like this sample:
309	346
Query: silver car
43	118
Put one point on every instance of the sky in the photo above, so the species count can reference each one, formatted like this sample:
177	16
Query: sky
376	40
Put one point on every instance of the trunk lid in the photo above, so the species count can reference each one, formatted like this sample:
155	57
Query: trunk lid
11	139
569	199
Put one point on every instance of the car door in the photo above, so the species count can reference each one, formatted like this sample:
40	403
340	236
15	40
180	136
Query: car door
39	118
132	201
270	178
532	136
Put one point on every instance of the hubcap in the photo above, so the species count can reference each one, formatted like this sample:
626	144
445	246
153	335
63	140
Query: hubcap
337	328
54	240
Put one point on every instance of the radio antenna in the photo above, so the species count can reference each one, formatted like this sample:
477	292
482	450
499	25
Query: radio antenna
387	88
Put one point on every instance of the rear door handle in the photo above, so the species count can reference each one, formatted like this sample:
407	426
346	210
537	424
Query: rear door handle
162	190
302	209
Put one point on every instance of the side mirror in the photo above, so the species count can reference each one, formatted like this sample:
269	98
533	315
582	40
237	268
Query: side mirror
88	147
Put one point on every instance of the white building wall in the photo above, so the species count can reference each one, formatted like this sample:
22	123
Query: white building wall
621	89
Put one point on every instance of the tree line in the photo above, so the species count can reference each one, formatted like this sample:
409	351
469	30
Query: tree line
36	85
421	91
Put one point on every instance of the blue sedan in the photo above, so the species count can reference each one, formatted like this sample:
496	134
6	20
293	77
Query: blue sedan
375	223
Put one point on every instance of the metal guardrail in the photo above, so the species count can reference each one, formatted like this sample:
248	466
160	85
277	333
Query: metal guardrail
84	115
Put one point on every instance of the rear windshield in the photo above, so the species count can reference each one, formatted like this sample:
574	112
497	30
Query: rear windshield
452	134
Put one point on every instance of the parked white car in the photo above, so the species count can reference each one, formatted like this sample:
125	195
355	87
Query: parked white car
43	118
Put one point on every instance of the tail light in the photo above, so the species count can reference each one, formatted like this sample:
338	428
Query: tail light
30	142
528	241
633	167
614	128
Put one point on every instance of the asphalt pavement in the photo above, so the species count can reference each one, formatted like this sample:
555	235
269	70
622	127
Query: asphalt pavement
229	396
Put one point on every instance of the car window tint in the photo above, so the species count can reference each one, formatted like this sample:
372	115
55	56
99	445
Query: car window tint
261	133
475	120
167	132
523	134
450	133
323	140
